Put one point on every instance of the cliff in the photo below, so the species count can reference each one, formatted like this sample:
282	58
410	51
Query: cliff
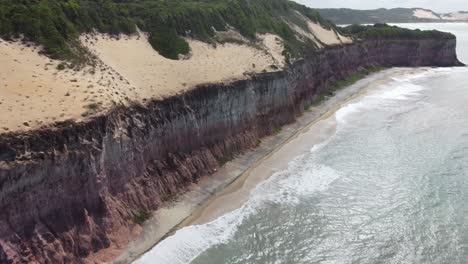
342	16
66	190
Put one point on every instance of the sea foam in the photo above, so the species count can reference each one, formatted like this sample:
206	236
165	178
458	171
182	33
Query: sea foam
387	95
303	177
285	187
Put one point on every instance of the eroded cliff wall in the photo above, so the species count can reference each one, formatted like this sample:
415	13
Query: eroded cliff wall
65	191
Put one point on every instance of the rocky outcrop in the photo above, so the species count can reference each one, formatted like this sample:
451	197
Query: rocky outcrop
65	190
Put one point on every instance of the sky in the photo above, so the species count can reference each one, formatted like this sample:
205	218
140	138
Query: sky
436	5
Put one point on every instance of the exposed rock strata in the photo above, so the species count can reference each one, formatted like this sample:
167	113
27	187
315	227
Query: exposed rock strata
63	191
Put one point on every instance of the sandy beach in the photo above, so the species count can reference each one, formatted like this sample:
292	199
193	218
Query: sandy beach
36	92
317	131
231	185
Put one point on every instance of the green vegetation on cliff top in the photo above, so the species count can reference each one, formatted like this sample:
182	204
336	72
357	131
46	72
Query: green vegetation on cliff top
56	24
343	16
384	31
346	16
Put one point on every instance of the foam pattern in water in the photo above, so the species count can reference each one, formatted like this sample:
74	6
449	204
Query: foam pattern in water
304	177
284	187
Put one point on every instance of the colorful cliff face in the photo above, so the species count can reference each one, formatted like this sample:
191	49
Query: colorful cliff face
66	191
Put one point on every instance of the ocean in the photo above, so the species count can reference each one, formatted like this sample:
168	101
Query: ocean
388	185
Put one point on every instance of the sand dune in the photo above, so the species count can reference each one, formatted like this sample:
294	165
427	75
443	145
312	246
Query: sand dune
327	36
427	14
304	35
274	46
35	93
320	35
317	33
156	76
457	16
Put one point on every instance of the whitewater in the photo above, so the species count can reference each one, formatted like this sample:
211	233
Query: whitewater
389	184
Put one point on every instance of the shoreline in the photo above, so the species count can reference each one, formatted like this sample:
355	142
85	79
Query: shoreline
237	193
205	200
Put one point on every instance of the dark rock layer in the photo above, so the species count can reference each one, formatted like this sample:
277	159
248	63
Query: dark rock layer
63	191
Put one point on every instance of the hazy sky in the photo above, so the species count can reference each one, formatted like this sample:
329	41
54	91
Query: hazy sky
436	5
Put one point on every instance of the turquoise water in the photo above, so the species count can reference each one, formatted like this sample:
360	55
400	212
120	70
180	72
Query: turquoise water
389	186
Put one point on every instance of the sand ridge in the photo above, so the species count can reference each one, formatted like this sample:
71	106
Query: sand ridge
427	14
304	35
327	36
156	76
457	16
35	93
317	33
275	47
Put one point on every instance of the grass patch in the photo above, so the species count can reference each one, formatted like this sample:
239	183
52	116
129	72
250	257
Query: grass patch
277	130
316	101
350	80
141	216
56	24
258	142
384	31
353	78
93	106
61	67
229	39
223	160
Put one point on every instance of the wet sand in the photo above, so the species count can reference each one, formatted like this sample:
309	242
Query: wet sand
230	187
317	131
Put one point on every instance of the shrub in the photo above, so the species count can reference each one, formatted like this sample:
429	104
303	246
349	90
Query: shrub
61	67
165	40
384	31
93	106
141	216
56	23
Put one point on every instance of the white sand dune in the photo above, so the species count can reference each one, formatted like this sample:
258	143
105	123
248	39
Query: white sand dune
34	93
275	47
457	16
427	14
317	33
327	36
304	35
320	35
156	76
